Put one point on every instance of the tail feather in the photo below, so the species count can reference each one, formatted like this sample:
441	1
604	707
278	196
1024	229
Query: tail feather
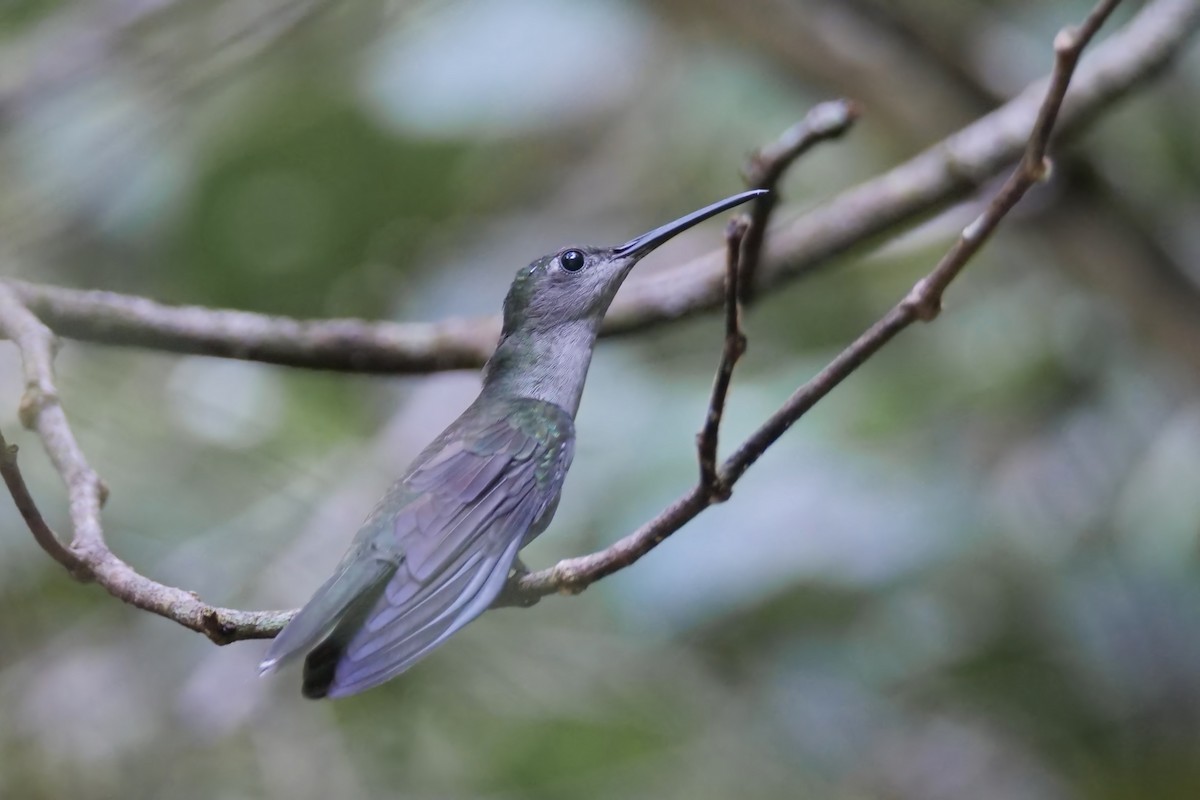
350	593
320	665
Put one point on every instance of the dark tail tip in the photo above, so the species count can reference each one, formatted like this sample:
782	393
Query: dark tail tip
320	667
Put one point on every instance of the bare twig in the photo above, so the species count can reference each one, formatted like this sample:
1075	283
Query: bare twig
1068	45
1159	301
734	348
46	538
337	344
89	555
945	172
922	303
823	122
43	412
930	181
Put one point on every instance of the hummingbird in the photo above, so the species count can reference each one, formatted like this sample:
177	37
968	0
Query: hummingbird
438	548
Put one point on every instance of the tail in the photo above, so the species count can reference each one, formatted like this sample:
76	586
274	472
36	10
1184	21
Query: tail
320	665
329	620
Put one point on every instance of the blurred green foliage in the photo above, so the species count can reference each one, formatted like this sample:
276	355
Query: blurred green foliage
970	572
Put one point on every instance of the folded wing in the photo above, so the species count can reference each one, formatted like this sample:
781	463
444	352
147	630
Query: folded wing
476	493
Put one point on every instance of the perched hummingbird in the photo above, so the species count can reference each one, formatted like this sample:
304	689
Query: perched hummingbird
437	549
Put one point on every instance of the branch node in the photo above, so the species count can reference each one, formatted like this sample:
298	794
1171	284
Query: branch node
34	401
568	581
924	300
1043	171
739	345
215	628
974	232
1066	41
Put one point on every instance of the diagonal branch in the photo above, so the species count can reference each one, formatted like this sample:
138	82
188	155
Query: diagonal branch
926	183
349	345
921	304
42	410
45	537
947	171
89	555
734	349
823	122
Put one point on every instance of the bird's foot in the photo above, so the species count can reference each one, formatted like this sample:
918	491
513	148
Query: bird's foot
512	595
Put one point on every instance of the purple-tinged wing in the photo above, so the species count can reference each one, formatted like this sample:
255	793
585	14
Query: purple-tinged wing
476	498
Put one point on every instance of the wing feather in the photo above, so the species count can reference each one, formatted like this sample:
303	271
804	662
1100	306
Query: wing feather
366	666
410	607
478	504
428	553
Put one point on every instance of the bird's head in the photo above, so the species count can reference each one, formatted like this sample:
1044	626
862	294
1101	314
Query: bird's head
579	282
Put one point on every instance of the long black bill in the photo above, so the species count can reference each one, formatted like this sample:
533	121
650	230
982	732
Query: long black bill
640	245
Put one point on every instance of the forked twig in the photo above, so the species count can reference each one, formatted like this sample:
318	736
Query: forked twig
921	303
884	205
823	122
733	349
42	410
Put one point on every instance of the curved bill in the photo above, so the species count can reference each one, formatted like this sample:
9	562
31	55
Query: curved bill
640	245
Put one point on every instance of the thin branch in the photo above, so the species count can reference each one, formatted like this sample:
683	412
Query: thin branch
921	303
823	122
1158	299
337	344
89	555
734	348
43	534
926	297
947	171
42	410
924	301
926	183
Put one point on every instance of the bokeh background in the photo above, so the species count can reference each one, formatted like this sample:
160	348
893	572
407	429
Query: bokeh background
972	571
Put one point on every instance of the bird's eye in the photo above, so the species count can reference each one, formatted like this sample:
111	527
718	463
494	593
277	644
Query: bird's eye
572	260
